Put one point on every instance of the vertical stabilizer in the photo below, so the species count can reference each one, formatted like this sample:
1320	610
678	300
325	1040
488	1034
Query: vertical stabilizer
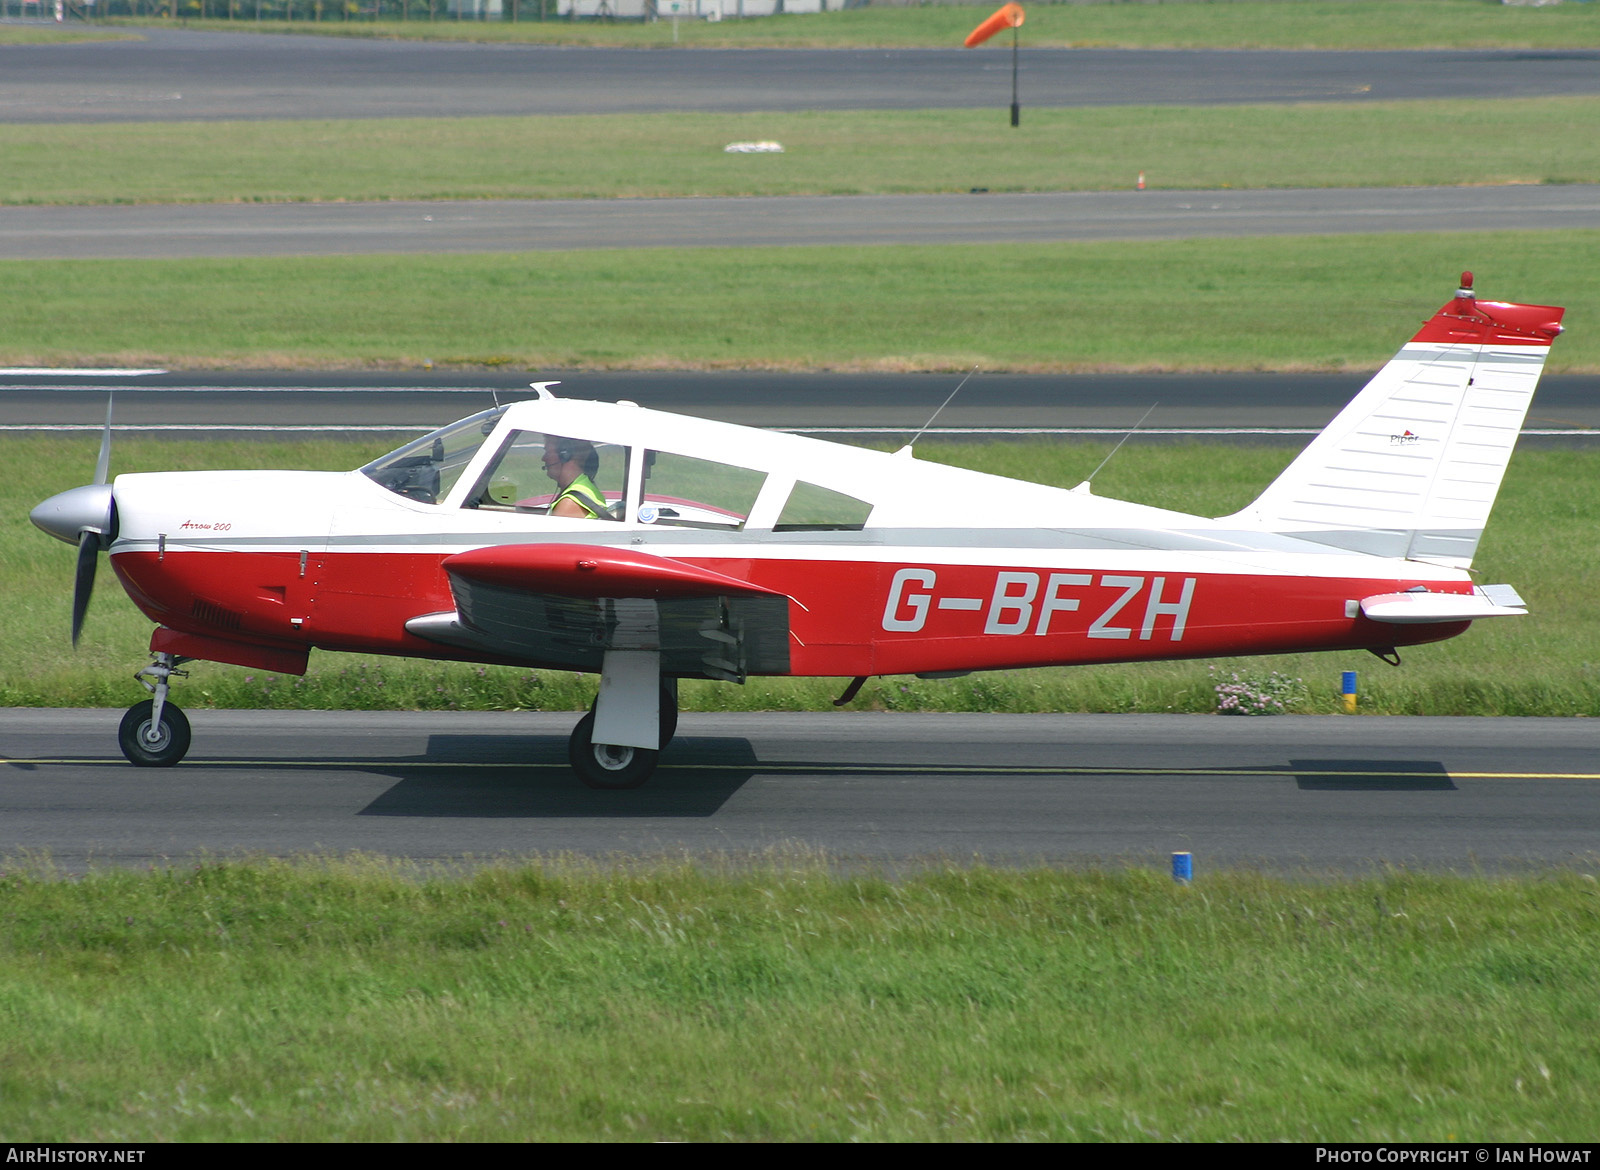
1410	468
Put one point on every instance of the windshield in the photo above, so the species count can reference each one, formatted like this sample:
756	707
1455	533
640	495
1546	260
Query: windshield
428	468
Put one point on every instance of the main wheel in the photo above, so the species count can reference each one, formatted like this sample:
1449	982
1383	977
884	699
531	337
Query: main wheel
159	745
606	765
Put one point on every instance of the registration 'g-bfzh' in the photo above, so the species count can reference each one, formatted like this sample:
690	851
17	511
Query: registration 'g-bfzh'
649	547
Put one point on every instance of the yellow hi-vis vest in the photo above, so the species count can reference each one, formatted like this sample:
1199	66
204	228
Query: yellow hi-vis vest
583	491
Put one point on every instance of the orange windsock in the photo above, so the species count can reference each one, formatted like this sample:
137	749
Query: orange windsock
1006	16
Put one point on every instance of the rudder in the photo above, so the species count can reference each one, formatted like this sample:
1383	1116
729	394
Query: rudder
1411	467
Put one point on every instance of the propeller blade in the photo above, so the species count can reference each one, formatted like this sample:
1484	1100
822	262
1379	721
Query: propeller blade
102	465
83	583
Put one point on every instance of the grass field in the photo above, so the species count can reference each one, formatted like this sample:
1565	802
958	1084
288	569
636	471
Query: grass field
1532	140
1301	24
1266	303
1540	539
347	1001
14	34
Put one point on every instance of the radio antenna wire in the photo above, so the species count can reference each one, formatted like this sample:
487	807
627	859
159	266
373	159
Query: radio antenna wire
1121	441
942	405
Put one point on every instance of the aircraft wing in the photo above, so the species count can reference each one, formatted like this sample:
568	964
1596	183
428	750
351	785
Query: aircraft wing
565	605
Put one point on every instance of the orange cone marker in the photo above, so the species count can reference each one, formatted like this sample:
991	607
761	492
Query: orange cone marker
1140	186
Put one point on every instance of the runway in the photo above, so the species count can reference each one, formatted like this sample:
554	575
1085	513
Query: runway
533	225
178	75
1288	794
1283	407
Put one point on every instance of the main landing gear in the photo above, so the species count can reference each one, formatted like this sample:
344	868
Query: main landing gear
617	766
155	733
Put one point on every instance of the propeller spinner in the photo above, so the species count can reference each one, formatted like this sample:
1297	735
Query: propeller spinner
87	517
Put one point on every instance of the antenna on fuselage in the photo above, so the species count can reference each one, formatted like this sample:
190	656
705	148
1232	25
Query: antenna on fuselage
942	405
1084	486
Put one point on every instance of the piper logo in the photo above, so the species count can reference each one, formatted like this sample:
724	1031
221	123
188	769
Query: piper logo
1404	440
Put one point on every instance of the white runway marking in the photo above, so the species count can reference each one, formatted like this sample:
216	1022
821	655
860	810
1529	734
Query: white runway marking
50	372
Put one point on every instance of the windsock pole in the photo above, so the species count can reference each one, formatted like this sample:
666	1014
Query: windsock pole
1016	110
1007	14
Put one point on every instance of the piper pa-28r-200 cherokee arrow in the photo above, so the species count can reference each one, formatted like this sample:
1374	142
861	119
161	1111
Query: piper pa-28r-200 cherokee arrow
650	547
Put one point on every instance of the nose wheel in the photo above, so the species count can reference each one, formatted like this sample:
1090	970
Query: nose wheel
150	740
155	733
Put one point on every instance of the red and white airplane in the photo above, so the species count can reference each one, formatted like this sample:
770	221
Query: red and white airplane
674	547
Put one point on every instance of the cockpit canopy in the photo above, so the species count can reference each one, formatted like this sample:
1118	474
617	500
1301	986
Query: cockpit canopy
590	476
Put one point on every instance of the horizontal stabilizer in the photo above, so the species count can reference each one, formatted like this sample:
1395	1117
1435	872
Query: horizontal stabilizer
1418	608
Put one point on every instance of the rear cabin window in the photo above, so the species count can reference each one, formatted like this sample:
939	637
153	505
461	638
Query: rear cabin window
697	493
818	509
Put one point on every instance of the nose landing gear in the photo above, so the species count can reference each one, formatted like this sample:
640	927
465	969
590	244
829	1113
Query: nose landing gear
155	733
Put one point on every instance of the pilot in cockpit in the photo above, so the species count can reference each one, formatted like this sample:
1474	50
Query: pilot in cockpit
573	464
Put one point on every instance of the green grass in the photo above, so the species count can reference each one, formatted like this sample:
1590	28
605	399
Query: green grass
1532	140
779	1001
1268	303
22	34
1540	539
1301	24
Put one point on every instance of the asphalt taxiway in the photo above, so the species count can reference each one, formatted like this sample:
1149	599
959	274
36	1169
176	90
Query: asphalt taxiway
1287	794
1278	406
181	75
540	225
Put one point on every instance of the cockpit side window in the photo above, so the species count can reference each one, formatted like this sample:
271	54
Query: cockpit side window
686	492
554	475
428	468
